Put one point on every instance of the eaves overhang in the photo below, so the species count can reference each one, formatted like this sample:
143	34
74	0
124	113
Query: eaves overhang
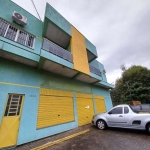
105	85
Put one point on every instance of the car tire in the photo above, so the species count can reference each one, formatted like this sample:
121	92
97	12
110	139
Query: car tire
101	124
148	128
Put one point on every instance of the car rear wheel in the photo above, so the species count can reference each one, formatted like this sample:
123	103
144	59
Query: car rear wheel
148	128
101	124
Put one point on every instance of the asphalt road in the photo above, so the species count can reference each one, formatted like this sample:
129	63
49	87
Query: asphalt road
110	139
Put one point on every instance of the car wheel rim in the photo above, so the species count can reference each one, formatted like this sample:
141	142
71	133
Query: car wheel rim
101	125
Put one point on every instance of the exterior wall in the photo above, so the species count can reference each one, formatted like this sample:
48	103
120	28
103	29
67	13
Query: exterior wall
57	19
78	49
103	92
91	47
99	66
34	26
21	79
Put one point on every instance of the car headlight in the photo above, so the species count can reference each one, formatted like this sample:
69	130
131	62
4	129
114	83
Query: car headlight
94	116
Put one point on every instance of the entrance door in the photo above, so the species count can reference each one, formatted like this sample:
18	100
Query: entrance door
85	108
10	121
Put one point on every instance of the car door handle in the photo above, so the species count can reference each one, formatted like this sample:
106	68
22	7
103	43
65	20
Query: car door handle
120	116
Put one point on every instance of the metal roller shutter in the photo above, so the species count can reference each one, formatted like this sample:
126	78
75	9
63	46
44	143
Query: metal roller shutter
100	104
55	107
84	108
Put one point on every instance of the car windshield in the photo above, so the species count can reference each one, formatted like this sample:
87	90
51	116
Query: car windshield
133	109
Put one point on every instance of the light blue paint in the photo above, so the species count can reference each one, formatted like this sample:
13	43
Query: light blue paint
21	74
56	59
27	130
103	92
106	84
94	104
75	109
20	52
17	73
95	76
101	66
34	26
103	81
91	47
57	19
94	63
1	44
108	103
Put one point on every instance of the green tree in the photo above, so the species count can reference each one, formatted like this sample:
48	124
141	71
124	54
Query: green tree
134	84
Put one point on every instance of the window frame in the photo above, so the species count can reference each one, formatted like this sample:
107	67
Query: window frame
17	35
110	112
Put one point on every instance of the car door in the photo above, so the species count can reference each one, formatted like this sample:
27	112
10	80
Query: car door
115	117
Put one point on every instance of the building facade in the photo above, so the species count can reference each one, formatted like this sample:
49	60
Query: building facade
50	80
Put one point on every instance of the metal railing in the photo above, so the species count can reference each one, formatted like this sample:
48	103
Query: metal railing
56	50
95	70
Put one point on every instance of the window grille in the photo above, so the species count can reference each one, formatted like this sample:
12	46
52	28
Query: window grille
3	27
13	105
11	33
22	37
15	34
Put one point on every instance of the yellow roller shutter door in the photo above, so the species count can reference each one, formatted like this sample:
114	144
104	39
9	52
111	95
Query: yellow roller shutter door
100	104
84	108
55	109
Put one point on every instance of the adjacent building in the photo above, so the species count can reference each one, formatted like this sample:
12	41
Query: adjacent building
50	80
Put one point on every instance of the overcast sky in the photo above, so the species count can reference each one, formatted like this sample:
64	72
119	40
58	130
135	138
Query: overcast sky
120	29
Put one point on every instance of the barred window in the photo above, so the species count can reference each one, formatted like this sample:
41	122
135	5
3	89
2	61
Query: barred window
11	33
13	105
3	27
15	34
22	37
30	40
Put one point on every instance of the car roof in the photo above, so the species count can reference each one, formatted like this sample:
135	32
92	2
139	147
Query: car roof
122	105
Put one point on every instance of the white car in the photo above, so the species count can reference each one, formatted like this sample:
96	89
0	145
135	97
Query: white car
122	116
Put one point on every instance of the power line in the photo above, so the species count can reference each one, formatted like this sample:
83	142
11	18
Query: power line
36	9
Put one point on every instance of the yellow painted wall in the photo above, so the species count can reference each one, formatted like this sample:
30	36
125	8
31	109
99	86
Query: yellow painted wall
100	104
78	49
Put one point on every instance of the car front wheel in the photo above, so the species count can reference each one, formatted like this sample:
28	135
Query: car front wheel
101	124
148	128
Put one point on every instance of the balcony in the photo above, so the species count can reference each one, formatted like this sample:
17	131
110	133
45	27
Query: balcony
56	50
95	70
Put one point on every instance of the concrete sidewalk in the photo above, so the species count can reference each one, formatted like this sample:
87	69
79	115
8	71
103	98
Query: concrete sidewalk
46	140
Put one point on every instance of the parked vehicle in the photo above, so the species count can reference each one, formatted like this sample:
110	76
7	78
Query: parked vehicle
141	107
122	116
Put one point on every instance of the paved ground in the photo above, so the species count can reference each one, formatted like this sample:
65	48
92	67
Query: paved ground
110	139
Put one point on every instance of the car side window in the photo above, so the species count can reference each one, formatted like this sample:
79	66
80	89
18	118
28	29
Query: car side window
126	110
117	110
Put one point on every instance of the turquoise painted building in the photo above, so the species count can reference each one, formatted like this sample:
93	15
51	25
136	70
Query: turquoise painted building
50	80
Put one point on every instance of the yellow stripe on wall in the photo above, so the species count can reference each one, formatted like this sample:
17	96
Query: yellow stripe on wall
78	49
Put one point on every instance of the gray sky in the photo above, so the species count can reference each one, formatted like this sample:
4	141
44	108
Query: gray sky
120	29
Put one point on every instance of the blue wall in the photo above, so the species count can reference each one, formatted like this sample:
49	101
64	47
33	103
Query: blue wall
22	79
57	19
34	26
103	92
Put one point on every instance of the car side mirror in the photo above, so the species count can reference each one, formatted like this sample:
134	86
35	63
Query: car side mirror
110	113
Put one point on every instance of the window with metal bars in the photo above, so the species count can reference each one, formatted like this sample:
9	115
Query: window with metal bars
12	33
13	105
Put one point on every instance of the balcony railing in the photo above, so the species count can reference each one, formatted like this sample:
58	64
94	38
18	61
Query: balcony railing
56	50
95	70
